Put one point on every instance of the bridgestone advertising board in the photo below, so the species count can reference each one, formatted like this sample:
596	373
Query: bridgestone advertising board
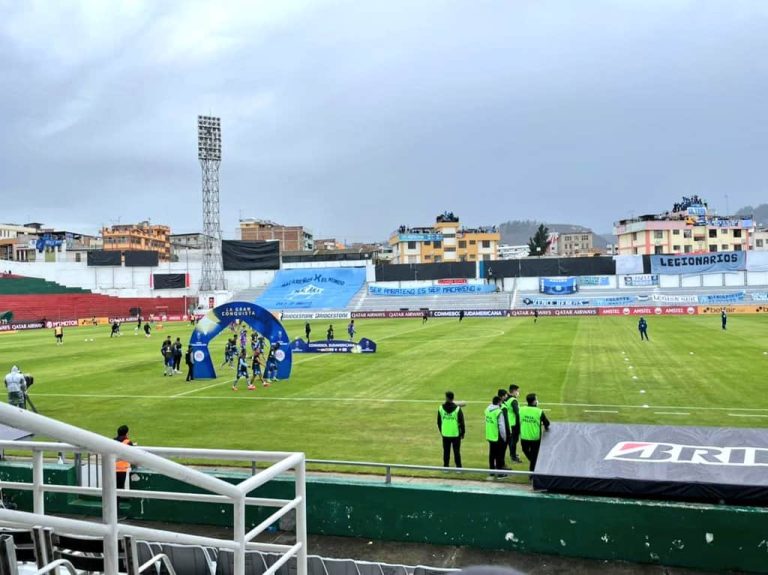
684	463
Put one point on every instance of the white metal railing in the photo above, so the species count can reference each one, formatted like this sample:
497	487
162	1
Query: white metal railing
76	440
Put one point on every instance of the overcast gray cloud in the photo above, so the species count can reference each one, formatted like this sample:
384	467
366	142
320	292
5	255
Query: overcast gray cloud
352	118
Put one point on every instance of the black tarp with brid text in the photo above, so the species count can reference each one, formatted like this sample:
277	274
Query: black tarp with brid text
169	281
104	258
709	464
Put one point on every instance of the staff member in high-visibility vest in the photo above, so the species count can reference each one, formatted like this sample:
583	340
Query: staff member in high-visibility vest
122	468
513	413
532	417
495	433
58	331
450	423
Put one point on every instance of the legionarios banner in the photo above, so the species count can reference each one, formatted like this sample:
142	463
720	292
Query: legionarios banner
700	263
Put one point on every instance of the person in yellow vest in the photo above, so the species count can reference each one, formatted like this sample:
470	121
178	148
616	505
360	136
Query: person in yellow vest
513	412
532	417
58	331
122	467
496	428
450	423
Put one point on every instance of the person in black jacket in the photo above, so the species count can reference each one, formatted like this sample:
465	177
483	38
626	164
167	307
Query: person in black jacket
450	423
190	362
177	353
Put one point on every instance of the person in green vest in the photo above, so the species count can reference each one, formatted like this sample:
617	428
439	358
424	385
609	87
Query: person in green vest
532	417
450	423
513	413
495	434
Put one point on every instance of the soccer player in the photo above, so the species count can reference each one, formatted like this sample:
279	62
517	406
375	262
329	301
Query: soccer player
450	423
190	361
177	355
642	327
424	317
723	318
256	370
351	330
147	329
329	333
531	419
535	315
59	333
115	329
271	367
461	315
307	330
242	370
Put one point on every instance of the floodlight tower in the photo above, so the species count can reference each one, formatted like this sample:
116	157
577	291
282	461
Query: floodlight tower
209	154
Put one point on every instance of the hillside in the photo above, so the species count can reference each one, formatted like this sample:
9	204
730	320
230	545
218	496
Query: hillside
517	232
760	213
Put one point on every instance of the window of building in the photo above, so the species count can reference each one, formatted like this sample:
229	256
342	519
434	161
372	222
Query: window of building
658	250
634	251
450	249
411	245
736	233
438	245
724	247
462	244
427	243
471	256
658	235
687	233
438	259
759	243
723	232
737	247
486	243
585	238
686	249
427	257
634	236
713	247
712	233
486	257
675	232
675	249
472	242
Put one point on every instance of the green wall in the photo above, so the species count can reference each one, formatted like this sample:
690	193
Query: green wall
708	537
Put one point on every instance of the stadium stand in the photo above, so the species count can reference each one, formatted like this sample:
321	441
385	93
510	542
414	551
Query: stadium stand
34	299
312	289
499	300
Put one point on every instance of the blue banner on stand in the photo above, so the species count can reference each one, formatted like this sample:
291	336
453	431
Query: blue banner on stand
312	288
699	263
374	289
219	318
558	285
365	345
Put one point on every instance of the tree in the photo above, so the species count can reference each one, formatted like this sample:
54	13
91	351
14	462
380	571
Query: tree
539	243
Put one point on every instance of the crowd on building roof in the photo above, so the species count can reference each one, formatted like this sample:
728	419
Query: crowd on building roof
687	202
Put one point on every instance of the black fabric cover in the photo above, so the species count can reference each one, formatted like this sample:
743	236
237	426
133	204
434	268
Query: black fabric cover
537	267
438	271
146	258
104	258
169	281
651	461
239	255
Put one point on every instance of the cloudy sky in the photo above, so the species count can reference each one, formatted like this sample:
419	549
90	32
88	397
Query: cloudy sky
353	117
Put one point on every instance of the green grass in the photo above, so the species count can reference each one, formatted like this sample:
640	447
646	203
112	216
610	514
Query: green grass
382	407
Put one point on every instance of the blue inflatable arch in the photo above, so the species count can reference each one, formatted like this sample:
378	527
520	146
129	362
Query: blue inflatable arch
219	318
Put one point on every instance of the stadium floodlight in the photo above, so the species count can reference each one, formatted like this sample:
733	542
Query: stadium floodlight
209	154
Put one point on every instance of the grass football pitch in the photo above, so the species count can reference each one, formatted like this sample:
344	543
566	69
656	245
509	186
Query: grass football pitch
382	407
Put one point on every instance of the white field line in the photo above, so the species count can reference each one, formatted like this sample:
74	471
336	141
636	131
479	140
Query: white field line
672	413
197	389
746	415
600	411
392	400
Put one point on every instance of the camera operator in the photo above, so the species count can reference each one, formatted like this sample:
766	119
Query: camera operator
16	384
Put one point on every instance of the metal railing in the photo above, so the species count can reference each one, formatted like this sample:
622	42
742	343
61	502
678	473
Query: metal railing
111	530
